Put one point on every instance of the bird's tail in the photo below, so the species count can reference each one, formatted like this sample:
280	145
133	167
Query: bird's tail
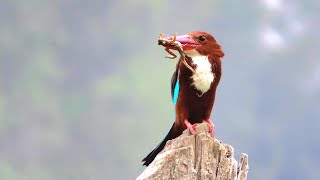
147	160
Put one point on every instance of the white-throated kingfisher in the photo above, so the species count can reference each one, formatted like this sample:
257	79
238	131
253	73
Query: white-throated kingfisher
193	84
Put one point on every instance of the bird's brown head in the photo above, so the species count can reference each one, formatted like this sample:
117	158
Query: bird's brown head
203	42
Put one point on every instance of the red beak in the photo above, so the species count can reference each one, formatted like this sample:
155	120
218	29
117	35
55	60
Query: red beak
186	41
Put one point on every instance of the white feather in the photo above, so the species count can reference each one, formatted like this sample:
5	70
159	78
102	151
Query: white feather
203	76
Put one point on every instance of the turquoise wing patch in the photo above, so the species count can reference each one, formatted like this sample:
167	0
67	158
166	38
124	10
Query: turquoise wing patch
176	92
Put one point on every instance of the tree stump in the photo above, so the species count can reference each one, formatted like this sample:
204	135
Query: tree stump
197	157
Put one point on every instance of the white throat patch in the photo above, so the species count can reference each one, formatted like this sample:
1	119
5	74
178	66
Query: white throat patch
203	76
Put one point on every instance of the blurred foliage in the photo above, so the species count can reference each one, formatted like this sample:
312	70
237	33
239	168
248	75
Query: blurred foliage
84	87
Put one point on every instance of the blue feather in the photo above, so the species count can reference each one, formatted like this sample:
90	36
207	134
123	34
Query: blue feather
176	92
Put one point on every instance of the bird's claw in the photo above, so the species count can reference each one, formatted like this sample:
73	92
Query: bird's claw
211	127
190	127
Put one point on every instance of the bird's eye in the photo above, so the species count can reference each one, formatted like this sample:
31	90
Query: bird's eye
202	38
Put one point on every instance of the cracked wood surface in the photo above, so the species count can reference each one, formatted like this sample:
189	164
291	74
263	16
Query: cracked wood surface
197	157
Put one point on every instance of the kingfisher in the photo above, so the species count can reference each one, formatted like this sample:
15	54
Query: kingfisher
193	84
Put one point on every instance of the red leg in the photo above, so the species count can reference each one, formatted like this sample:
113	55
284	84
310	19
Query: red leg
211	127
190	126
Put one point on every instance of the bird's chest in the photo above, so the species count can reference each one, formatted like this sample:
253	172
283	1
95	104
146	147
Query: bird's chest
203	76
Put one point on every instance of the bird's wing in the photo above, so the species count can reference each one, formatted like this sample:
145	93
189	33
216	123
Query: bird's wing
175	86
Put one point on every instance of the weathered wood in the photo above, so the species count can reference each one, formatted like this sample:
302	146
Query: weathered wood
197	157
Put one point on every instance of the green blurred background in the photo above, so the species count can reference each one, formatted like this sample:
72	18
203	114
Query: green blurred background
85	94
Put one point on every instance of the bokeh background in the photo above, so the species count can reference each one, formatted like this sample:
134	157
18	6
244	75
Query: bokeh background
85	94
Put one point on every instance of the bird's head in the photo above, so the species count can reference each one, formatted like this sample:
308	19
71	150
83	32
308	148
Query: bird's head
202	42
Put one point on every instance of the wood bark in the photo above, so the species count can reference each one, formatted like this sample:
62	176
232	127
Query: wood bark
197	157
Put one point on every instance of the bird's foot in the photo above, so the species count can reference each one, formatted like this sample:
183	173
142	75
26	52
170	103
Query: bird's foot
211	127
190	127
